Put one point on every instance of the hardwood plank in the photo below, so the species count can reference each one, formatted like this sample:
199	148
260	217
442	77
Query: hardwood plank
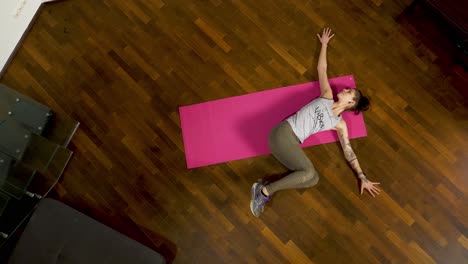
122	68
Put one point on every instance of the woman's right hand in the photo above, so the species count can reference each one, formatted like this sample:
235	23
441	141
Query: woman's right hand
326	36
369	186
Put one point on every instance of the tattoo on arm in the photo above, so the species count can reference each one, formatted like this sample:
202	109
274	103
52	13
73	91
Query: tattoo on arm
362	176
356	167
347	149
349	153
350	156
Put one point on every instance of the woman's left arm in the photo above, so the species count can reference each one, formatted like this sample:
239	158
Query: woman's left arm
342	131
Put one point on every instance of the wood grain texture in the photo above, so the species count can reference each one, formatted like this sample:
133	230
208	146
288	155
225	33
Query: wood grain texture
122	68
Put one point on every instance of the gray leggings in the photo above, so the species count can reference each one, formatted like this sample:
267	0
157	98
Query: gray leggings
285	147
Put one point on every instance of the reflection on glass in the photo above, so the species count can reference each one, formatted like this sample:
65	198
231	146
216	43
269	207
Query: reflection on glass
43	182
60	130
30	114
13	138
39	153
4	198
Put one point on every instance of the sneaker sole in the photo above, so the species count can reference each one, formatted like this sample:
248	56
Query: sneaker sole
252	191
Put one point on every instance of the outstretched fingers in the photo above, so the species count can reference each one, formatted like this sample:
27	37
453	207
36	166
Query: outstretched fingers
326	35
374	190
369	186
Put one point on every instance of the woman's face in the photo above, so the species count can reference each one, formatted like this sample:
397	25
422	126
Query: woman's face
347	95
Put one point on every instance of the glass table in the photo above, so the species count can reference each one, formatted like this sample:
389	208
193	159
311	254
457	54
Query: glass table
33	156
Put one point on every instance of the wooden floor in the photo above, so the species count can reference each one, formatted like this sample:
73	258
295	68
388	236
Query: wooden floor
122	68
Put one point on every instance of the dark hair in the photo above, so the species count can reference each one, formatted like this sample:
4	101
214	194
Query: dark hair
362	103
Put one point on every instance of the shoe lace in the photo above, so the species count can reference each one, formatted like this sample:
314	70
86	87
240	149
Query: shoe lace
263	199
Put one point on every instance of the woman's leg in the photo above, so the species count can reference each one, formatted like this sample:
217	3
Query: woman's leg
285	147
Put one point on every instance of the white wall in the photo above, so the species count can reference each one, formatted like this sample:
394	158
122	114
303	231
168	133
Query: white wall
15	18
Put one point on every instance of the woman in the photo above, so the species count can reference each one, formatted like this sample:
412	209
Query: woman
321	114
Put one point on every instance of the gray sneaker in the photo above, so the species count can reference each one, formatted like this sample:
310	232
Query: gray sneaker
258	200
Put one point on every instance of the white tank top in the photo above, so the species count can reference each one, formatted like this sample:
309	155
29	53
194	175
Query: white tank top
316	116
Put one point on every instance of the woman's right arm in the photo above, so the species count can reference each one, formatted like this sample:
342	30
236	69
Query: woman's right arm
342	131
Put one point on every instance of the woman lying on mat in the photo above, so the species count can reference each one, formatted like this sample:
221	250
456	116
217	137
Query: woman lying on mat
321	114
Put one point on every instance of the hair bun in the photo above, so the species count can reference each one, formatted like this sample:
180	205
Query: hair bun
362	105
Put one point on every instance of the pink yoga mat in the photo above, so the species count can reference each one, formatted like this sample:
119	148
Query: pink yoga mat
238	127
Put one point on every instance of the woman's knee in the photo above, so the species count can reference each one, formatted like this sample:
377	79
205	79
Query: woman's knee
311	178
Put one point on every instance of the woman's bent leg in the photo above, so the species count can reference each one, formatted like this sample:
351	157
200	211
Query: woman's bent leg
285	147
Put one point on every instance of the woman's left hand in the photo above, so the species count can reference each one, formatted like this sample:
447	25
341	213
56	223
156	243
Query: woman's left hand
326	36
369	186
